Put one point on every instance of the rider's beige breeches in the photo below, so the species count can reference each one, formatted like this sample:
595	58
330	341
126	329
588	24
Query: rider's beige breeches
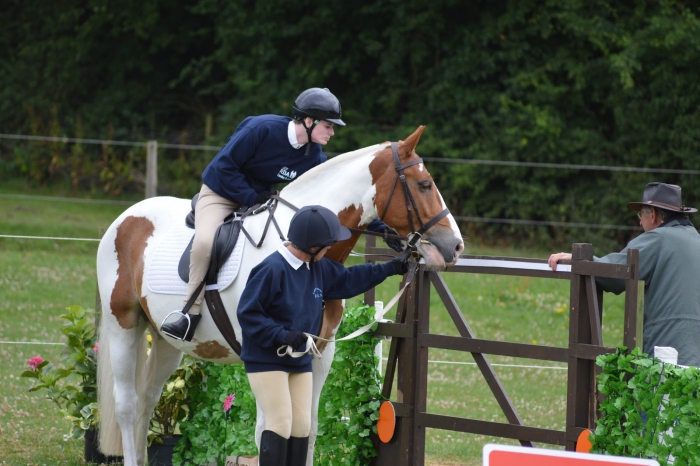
285	399
210	212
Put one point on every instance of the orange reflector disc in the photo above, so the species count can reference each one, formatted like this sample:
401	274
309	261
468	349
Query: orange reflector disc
387	421
583	444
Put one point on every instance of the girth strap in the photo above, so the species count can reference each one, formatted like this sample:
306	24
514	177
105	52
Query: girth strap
220	317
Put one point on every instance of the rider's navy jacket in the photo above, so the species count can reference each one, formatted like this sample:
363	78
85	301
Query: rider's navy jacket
257	156
283	293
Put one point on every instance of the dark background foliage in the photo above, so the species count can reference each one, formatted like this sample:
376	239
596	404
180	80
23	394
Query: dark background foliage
591	82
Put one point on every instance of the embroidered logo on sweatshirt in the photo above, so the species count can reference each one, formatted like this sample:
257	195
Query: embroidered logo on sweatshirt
287	174
318	293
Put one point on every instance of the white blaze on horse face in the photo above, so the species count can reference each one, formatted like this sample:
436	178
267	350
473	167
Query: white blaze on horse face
420	168
453	222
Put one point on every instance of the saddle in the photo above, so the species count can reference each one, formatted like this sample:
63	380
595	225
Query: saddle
224	242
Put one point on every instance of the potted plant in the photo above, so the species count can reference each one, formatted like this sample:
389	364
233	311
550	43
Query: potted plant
172	408
71	383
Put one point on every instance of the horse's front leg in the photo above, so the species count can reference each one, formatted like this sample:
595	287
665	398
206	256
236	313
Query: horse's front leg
332	315
321	367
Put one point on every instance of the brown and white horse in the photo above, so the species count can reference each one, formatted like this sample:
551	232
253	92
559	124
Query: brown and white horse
359	186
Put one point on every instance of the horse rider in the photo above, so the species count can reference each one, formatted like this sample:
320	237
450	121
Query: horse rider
263	150
283	300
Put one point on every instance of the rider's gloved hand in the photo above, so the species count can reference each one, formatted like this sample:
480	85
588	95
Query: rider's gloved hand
400	264
295	339
262	197
378	226
394	243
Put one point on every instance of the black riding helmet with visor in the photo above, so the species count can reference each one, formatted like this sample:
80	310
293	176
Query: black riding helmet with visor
318	104
315	226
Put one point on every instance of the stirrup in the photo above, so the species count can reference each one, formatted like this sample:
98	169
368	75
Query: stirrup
189	323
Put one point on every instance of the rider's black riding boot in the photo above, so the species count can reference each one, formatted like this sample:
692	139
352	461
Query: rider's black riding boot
179	330
273	449
296	451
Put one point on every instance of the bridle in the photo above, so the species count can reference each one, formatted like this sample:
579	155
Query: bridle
415	236
412	239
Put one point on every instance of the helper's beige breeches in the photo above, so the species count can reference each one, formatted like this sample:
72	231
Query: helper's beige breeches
210	212
285	399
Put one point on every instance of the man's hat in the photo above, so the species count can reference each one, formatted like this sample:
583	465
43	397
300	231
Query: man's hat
662	196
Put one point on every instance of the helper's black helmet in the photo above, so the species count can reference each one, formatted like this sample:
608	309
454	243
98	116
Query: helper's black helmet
315	225
318	104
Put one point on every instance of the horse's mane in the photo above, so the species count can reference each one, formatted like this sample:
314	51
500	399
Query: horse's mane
324	173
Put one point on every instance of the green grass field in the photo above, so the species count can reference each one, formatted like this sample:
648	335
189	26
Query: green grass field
39	278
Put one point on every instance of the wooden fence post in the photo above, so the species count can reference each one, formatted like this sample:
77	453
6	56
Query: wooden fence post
581	371
152	169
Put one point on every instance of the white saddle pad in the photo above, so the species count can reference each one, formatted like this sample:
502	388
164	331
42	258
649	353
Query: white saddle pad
162	275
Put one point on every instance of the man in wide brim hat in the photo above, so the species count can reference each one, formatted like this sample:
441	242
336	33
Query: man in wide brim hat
669	265
662	196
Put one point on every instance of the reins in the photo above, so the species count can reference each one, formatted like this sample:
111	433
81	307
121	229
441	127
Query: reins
286	350
412	241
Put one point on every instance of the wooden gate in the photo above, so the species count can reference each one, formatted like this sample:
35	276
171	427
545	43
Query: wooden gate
408	354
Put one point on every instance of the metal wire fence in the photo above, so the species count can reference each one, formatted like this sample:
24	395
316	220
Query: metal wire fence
154	146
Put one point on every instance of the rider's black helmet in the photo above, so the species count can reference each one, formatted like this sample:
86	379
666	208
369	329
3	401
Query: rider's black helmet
315	225
318	104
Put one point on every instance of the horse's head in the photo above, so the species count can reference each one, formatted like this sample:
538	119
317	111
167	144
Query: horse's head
407	200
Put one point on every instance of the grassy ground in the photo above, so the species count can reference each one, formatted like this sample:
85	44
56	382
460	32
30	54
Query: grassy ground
39	278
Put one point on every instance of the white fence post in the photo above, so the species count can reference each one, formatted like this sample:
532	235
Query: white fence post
152	169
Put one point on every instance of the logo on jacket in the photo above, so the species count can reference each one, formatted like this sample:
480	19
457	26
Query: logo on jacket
318	293
287	174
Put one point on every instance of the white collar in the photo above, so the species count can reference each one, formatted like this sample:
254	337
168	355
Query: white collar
292	135
291	259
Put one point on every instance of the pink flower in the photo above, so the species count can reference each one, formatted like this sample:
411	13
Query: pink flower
34	362
96	347
228	402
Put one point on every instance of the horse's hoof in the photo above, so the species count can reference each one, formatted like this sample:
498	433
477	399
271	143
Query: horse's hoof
183	329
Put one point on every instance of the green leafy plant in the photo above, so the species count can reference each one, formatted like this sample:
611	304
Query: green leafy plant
173	405
212	431
72	382
651	409
210	434
346	422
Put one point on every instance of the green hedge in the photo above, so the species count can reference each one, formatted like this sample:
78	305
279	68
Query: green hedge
667	394
345	421
583	82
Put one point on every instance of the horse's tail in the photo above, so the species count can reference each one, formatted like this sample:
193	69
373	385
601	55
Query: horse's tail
110	436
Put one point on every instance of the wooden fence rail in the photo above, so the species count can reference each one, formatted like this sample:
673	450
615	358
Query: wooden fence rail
407	366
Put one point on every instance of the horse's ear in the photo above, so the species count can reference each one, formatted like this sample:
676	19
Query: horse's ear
407	147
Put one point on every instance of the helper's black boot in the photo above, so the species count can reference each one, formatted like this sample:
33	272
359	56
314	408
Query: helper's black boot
273	449
296	451
179	329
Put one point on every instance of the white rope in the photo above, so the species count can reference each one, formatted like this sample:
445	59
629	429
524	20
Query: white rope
49	237
30	197
311	345
518	366
29	343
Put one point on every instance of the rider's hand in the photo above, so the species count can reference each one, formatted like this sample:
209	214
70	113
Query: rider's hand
400	264
262	197
295	339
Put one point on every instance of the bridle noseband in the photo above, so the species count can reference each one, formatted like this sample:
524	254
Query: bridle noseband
415	236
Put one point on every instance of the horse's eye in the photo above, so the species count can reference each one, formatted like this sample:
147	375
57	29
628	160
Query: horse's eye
425	185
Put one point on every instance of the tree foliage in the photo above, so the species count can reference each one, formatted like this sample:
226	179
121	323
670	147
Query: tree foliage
584	82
